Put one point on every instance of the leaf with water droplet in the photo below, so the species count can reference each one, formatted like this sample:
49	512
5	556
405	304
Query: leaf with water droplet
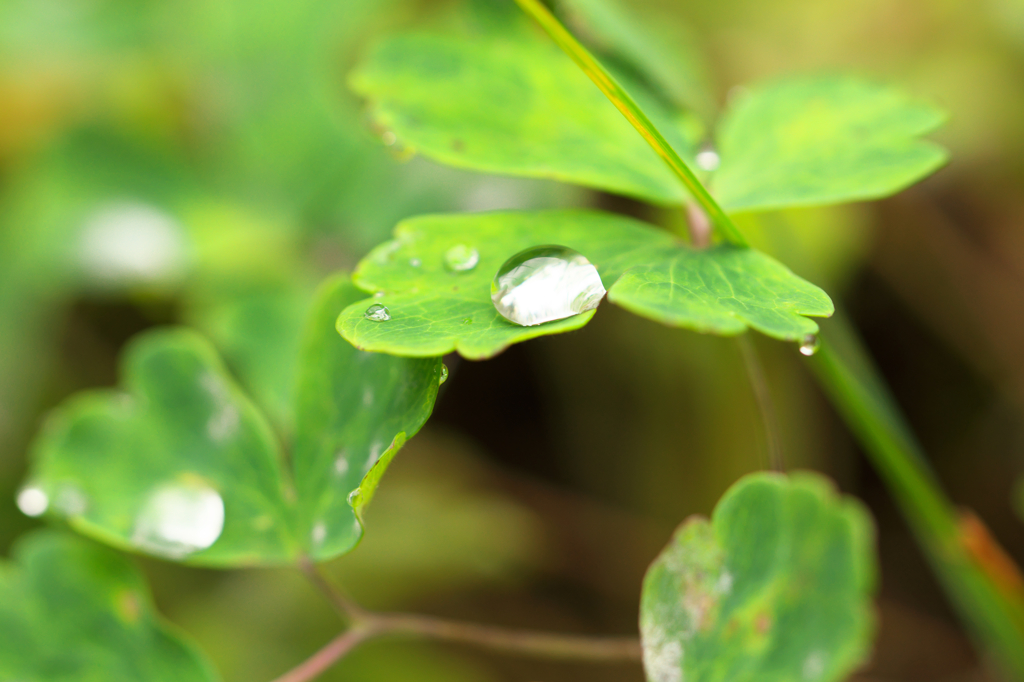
353	407
822	140
721	290
776	586
511	104
182	466
72	610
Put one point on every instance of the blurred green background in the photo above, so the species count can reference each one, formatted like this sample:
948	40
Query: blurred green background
201	162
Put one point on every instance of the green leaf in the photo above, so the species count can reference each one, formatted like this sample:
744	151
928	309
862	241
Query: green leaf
258	328
509	105
355	410
73	611
435	311
825	140
776	587
181	466
722	290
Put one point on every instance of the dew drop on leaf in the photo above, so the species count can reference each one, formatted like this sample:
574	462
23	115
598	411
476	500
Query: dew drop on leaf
32	501
377	313
178	519
546	283
809	345
708	160
444	374
461	258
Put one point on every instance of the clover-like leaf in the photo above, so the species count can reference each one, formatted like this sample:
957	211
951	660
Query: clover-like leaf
824	140
71	610
180	464
722	290
776	586
511	105
354	411
436	310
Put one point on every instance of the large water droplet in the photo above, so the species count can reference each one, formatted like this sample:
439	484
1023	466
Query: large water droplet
444	374
33	501
809	345
545	283
179	519
377	313
461	258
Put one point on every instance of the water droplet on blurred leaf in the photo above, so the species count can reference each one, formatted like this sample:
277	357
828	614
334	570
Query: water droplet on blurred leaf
131	243
461	258
33	502
708	160
179	519
377	313
444	374
546	283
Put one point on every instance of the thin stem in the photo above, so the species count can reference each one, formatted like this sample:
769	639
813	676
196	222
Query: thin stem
763	397
365	624
351	611
333	652
539	644
974	578
628	108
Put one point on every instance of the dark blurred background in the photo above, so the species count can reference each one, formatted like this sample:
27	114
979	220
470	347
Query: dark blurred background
201	162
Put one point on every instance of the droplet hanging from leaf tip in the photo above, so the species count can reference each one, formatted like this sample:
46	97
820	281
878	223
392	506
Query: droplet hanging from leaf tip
546	283
377	313
809	345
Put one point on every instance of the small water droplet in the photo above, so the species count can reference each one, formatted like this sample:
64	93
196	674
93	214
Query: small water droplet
179	519
708	160
388	138
377	313
415	262
33	501
809	345
461	258
319	533
546	283
444	374
352	497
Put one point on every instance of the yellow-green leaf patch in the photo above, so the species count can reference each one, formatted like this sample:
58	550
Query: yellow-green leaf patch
822	140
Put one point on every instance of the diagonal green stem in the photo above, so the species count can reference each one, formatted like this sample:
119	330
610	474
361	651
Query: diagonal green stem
993	608
634	114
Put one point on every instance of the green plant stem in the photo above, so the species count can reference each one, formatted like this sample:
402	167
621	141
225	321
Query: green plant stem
993	609
634	114
763	397
364	625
